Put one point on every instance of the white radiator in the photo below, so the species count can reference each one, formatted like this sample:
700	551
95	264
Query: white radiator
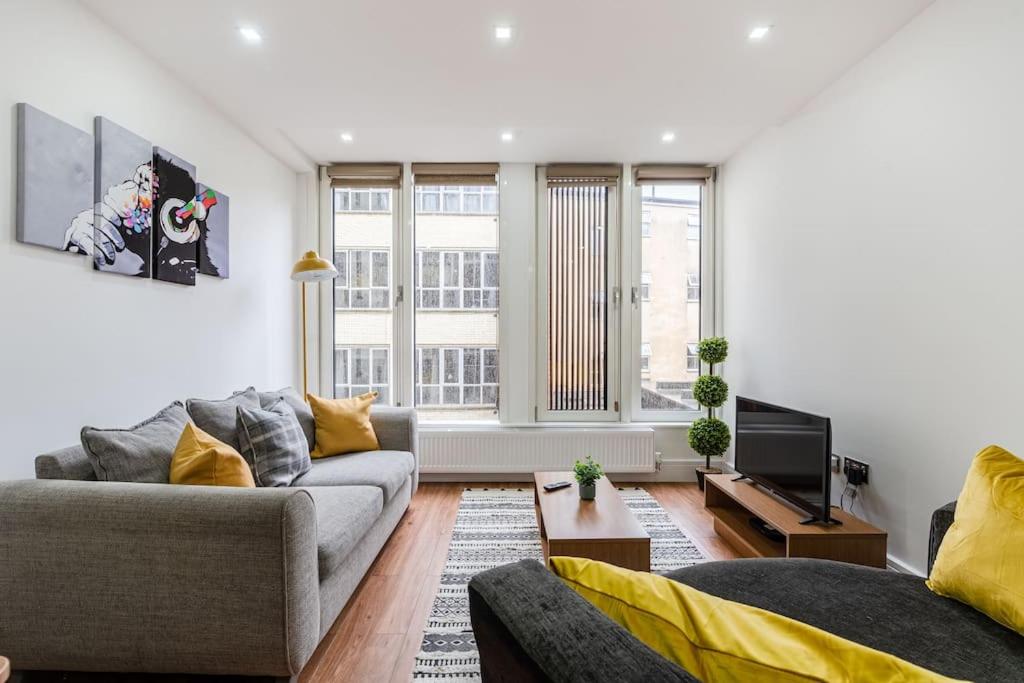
512	450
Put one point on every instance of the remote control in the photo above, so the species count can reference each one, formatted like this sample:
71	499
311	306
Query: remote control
554	486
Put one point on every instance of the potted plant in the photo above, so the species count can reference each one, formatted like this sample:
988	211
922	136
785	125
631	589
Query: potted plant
710	436
587	473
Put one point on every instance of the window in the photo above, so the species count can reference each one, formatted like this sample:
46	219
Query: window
356	200
645	286
578	320
363	235
457	199
457	378
669	310
693	226
692	358
456	302
645	223
363	279
360	370
692	287
457	279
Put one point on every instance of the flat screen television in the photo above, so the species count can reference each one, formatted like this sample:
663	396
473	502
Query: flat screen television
786	451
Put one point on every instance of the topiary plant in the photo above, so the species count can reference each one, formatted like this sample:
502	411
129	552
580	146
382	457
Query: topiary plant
710	391
709	436
713	350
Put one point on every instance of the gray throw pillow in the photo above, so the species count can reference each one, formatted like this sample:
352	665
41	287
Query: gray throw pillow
273	444
219	419
302	410
141	453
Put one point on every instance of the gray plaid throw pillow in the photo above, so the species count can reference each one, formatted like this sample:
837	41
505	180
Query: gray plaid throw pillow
273	443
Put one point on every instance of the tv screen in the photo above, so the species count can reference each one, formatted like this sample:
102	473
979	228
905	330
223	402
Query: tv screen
786	451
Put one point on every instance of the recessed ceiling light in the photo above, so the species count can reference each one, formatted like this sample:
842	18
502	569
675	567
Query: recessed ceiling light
508	136
503	33
759	32
250	34
668	136
346	137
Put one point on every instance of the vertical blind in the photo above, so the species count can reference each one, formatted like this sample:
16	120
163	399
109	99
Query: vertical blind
578	287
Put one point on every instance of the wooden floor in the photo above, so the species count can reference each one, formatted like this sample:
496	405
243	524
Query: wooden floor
377	636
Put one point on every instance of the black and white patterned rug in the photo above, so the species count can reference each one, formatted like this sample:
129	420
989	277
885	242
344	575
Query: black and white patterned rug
499	526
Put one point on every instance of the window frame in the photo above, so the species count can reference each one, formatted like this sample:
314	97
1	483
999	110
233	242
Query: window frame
374	351
460	382
614	317
634	375
348	287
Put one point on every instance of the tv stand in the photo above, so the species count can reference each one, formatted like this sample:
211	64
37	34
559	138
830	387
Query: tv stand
817	520
732	503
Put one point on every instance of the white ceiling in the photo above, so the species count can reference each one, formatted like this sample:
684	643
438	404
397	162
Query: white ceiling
581	80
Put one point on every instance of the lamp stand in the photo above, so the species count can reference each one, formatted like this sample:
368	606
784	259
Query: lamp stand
305	361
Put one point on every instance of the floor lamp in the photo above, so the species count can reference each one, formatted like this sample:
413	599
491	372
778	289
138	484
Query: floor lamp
310	268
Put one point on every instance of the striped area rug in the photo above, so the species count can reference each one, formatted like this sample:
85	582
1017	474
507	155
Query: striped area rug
498	526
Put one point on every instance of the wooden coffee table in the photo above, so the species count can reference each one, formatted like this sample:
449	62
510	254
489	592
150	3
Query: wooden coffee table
601	529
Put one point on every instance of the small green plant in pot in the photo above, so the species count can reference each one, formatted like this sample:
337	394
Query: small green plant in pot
587	473
710	436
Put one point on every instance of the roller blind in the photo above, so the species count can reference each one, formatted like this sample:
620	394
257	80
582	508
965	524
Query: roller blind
666	174
455	174
365	175
583	175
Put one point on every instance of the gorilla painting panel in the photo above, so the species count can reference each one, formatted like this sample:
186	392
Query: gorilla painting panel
123	217
176	223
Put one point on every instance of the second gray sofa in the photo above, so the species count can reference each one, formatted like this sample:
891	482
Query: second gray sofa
110	576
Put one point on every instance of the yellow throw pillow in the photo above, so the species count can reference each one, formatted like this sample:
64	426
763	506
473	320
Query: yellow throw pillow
719	640
981	559
343	425
201	459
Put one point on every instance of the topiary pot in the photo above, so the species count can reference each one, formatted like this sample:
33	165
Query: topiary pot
588	491
702	471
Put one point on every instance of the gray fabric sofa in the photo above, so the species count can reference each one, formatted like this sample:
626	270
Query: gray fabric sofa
125	577
530	627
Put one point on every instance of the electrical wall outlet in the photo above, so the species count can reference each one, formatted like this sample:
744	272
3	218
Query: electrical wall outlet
856	471
835	463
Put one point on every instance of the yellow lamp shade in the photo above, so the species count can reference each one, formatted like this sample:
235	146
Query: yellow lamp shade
312	268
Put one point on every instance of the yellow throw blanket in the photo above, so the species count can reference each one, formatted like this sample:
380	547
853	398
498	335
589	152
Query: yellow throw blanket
721	641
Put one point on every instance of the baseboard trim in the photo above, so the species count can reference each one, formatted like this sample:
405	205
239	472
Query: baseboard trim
898	565
681	470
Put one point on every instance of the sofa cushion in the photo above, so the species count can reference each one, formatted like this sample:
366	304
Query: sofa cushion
981	560
141	453
343	516
219	418
387	470
273	443
885	610
343	425
201	460
302	410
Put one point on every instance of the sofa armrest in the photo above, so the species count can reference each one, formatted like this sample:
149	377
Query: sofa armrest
107	576
397	430
529	626
942	519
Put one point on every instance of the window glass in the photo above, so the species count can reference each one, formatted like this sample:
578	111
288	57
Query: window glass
456	326
363	236
669	296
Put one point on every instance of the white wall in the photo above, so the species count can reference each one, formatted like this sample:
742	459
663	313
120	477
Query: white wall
873	249
79	347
